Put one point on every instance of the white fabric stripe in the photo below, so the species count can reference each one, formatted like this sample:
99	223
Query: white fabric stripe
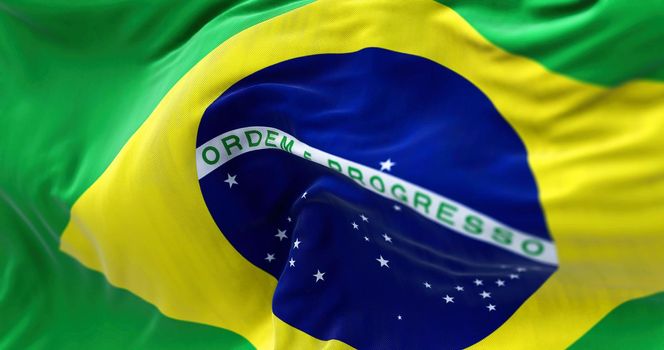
518	239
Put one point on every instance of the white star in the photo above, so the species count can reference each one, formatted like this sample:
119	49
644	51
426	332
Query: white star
387	238
485	295
448	299
230	180
269	257
355	226
478	282
396	207
296	244
304	195
399	317
319	275
281	235
387	165
520	269
289	219
291	262
491	307
383	262
514	276
426	284
500	283
366	238
459	288
364	218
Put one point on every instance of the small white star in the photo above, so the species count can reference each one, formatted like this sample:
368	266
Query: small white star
459	288
478	282
491	307
296	244
485	294
514	276
448	299
364	218
387	165
399	317
383	262
520	269
304	195
366	238
500	283
319	275
291	262
230	180
269	257
387	238
289	219
427	285
281	234
355	225
396	207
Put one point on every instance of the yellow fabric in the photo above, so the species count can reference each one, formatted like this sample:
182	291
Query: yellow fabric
144	223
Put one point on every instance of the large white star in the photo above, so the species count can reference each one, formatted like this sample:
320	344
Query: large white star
319	275
459	288
387	238
364	218
296	244
230	180
281	234
383	262
355	225
491	307
500	283
269	257
485	294
448	299
478	282
387	165
291	262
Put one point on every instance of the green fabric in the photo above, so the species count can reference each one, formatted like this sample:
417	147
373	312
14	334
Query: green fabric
49	301
78	78
602	42
636	324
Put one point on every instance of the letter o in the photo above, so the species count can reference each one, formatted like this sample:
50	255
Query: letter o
527	247
205	153
380	181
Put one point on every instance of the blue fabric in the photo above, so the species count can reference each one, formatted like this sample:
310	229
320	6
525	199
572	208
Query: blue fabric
443	134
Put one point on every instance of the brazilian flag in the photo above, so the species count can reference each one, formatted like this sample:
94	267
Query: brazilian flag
331	174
